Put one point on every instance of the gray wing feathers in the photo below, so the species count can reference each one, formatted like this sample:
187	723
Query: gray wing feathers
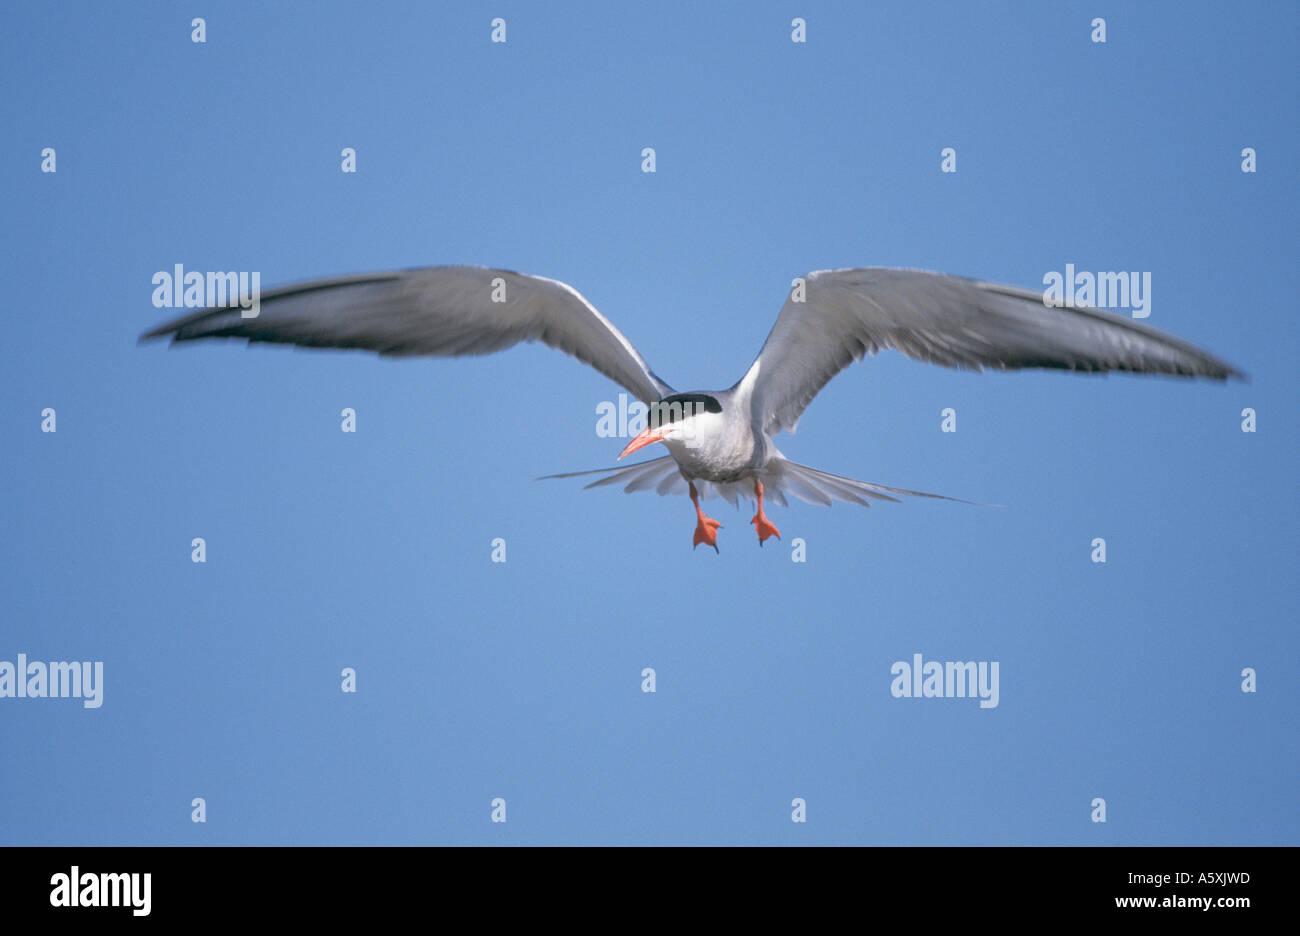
946	320
443	311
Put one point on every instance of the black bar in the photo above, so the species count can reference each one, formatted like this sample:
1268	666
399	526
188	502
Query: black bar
366	884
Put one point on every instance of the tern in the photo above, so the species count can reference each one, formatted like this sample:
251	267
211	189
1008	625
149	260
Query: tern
719	442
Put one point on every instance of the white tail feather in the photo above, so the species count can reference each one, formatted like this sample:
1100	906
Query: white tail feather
780	477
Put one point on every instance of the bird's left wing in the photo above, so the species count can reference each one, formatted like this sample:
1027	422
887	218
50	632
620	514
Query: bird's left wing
445	311
841	315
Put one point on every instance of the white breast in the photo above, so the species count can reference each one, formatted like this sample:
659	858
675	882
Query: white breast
716	446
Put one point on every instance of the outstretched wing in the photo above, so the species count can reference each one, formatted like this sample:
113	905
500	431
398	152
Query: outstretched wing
443	311
948	320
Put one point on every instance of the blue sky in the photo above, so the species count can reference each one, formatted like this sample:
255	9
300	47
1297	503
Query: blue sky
522	680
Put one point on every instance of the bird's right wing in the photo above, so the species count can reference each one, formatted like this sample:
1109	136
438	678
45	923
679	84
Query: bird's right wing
842	315
444	311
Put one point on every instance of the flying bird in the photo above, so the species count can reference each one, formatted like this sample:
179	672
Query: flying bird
718	441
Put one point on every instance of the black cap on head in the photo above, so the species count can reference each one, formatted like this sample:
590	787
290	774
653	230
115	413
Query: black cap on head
680	406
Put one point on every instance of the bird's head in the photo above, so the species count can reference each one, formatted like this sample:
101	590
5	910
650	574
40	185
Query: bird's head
677	419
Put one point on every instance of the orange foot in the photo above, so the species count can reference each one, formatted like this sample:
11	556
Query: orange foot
765	528
706	528
760	521
706	532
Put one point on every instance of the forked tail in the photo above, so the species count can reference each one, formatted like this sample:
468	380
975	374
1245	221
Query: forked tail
780	477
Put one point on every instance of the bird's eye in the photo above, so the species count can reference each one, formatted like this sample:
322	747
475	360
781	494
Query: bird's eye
663	413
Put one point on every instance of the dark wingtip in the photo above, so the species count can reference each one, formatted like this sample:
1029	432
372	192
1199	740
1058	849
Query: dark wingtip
162	331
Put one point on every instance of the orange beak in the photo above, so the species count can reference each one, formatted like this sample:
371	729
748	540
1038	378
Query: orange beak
644	438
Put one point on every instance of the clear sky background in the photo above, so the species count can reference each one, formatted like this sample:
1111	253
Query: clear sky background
522	680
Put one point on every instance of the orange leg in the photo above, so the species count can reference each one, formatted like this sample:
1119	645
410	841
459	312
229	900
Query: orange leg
765	529
706	529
